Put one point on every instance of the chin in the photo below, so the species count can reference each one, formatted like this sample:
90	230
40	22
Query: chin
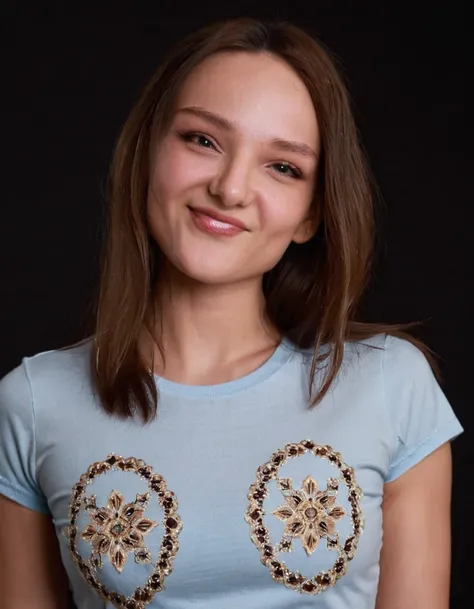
210	272
211	277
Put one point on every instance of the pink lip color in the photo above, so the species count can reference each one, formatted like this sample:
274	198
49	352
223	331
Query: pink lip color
214	226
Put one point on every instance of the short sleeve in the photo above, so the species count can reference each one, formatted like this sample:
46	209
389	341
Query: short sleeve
420	415
18	442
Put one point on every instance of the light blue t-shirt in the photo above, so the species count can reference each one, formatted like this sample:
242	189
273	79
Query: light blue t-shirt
238	495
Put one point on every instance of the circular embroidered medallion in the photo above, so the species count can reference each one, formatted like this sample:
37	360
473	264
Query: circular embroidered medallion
118	529
310	515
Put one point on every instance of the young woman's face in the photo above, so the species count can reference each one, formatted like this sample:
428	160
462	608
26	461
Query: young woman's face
233	177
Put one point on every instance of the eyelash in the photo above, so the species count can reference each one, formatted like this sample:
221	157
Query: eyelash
296	173
193	138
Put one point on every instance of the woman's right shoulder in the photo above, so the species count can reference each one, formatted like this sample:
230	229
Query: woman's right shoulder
39	399
53	371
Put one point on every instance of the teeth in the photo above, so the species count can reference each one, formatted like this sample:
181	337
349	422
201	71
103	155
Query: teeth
218	224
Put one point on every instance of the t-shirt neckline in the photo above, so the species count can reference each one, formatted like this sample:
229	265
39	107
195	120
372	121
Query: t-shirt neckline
278	358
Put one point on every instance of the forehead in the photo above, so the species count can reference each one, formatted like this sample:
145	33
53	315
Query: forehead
258	92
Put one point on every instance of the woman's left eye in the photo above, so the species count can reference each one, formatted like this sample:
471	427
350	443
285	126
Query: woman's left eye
287	170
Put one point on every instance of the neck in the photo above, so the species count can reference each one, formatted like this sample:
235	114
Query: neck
210	333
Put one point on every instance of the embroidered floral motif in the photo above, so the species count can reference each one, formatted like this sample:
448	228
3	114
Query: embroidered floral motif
120	528
309	514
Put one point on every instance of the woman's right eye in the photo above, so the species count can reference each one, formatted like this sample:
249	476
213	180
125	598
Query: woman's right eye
199	139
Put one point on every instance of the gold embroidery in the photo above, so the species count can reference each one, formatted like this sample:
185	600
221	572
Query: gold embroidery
119	529
309	514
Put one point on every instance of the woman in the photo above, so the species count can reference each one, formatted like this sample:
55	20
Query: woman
231	436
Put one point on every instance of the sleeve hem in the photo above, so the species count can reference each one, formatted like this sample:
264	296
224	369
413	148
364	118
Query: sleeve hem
22	497
448	432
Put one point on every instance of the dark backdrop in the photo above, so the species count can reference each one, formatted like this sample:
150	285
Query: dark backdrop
69	81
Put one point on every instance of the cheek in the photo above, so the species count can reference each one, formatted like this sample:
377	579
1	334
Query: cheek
177	170
283	214
168	174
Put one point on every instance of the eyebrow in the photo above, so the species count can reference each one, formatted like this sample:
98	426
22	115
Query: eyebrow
227	125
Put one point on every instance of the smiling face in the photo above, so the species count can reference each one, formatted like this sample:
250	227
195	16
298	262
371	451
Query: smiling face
233	177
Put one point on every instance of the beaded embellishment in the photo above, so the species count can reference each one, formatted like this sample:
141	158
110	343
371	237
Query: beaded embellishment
118	529
310	515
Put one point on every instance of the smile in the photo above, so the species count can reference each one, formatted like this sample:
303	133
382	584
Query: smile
212	222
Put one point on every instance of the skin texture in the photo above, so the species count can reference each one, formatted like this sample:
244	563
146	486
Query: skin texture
31	572
235	169
415	561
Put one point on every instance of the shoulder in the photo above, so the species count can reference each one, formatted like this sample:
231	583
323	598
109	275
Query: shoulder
57	361
59	366
392	355
403	357
386	361
48	370
354	353
382	347
397	361
37	401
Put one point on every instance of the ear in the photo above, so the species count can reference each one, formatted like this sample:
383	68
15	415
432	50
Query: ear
307	229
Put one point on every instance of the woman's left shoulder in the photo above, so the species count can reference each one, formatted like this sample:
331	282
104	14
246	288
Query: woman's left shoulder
394	354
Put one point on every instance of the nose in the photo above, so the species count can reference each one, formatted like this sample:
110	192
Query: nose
232	183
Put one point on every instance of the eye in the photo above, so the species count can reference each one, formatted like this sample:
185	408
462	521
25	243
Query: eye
199	139
285	169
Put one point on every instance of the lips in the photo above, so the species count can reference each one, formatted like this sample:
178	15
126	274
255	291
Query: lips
213	223
221	218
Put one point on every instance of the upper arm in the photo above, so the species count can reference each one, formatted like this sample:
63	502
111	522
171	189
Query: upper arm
415	557
416	552
31	572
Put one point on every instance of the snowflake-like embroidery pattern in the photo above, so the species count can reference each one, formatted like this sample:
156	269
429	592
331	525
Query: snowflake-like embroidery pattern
309	513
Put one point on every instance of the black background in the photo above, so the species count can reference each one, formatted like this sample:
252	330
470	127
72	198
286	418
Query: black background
69	79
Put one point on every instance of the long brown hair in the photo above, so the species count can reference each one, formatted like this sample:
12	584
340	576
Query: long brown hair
313	292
